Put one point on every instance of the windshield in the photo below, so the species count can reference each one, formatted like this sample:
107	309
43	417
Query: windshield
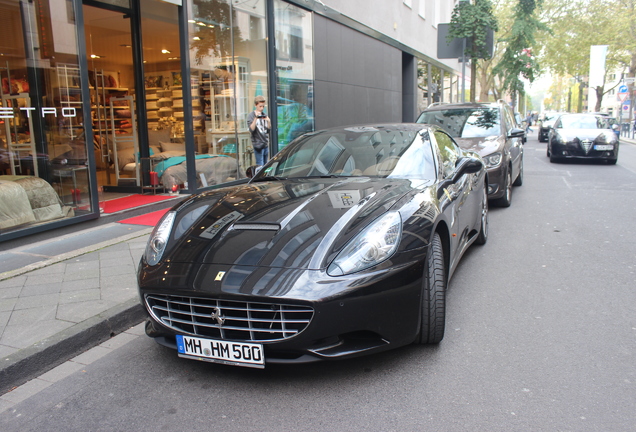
355	152
465	122
584	122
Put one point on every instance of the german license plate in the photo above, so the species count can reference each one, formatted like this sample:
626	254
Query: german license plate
216	351
603	147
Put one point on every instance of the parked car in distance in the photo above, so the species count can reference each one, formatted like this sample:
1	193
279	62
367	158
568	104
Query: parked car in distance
341	245
545	122
491	130
613	122
583	136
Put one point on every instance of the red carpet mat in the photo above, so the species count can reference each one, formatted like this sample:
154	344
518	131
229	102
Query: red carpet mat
149	219
119	204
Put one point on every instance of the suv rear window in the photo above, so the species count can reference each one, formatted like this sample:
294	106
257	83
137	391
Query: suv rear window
465	122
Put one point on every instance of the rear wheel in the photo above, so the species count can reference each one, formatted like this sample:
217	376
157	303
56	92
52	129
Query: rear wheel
482	237
433	317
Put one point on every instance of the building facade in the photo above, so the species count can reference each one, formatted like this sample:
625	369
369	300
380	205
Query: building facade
140	96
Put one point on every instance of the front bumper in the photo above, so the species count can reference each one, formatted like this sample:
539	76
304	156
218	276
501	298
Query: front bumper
574	150
352	315
496	182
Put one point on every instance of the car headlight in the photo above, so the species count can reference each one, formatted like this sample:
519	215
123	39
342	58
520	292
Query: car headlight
492	160
374	244
159	239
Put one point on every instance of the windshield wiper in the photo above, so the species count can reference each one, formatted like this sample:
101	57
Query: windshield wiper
268	178
325	176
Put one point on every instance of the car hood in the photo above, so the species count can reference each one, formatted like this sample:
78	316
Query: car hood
292	223
480	145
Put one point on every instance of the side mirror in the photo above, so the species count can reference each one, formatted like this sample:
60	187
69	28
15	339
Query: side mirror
252	170
467	165
516	133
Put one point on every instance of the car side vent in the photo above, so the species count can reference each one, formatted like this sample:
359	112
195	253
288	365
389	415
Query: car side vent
255	227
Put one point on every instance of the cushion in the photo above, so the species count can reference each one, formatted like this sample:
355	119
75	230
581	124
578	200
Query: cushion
167	155
170	146
156	136
126	156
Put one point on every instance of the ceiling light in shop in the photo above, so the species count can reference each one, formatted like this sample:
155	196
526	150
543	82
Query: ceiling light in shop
196	38
95	56
165	51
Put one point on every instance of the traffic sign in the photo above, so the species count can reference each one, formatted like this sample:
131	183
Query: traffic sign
623	92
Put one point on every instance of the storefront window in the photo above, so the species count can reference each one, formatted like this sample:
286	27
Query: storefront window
228	69
294	67
44	173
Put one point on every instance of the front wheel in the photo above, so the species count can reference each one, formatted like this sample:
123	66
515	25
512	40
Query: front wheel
482	237
553	157
519	179
506	199
433	315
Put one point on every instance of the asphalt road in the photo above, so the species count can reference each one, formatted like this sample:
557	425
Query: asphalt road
541	336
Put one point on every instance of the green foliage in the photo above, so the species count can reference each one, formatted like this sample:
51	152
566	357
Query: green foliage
216	36
472	21
579	24
518	60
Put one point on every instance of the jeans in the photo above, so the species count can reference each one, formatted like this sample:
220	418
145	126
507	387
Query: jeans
261	156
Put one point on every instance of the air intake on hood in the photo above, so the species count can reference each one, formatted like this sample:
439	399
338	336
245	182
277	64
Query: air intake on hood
256	226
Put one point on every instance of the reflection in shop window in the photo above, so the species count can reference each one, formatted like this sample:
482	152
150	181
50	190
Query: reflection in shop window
43	149
228	59
294	78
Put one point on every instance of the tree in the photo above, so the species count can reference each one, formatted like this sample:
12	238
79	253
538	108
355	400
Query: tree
518	60
472	21
578	24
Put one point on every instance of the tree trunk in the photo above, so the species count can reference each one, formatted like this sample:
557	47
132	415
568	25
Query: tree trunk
473	79
599	98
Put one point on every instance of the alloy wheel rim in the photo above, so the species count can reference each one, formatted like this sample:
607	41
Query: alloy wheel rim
484	214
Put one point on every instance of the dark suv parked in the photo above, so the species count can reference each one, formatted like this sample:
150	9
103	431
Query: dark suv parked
491	130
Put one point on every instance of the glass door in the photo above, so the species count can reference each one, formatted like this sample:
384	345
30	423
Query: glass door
112	83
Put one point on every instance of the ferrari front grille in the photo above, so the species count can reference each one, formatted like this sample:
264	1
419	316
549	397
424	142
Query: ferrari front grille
229	320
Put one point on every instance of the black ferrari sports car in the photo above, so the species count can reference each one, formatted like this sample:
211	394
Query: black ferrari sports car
341	245
583	136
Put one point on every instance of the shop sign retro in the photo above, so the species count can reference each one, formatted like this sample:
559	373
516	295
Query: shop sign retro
8	112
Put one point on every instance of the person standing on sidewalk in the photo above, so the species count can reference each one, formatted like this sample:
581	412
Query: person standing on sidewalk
260	125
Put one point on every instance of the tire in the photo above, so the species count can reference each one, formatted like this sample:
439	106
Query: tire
506	199
433	306
519	179
612	161
482	237
553	158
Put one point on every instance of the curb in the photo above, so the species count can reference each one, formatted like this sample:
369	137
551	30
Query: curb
28	363
69	255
